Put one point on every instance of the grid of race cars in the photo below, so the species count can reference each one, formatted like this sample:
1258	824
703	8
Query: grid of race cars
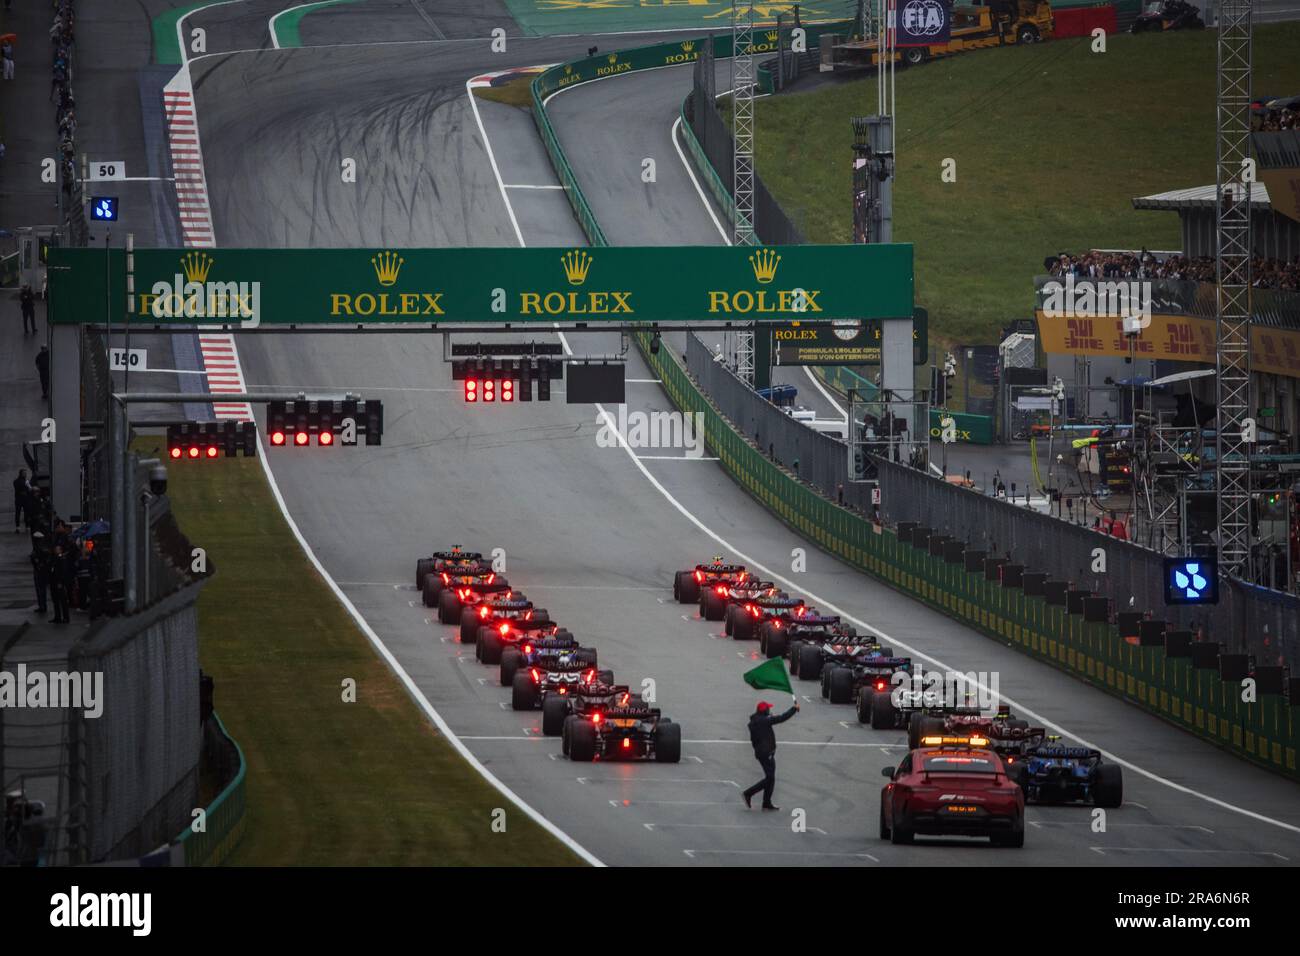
969	771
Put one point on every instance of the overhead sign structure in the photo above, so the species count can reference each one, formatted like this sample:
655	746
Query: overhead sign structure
106	171
624	285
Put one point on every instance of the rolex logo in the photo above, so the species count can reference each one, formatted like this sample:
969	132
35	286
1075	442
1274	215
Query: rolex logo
688	46
576	265
568	68
772	36
765	262
613	58
387	266
196	266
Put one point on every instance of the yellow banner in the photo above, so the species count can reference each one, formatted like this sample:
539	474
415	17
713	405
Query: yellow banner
1177	338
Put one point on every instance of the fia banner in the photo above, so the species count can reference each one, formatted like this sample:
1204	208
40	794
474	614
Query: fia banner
923	22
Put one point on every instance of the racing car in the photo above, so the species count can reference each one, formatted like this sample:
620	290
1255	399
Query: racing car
494	609
586	698
1008	735
776	637
455	559
547	673
813	648
1055	773
749	617
891	708
687	584
860	677
460	589
495	644
952	785
717	600
624	730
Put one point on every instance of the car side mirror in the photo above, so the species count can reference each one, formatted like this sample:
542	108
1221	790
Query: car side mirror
887	772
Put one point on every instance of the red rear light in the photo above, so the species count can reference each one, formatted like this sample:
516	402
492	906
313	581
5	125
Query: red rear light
528	648
595	718
491	578
537	677
445	578
699	576
504	628
722	589
528	615
880	685
588	676
563	691
482	612
777	622
627	743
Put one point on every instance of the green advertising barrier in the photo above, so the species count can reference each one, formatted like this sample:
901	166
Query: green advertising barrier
1266	732
971	429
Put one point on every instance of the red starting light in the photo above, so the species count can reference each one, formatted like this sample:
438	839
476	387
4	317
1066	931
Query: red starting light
176	453
471	390
212	451
489	390
325	438
301	438
277	438
193	451
507	390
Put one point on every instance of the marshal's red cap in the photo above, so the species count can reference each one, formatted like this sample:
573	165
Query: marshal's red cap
764	705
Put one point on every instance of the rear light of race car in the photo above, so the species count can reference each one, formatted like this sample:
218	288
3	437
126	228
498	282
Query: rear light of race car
596	718
483	612
589	675
880	685
528	648
504	628
721	589
627	743
537	676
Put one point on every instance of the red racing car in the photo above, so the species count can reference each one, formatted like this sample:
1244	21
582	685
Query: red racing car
952	786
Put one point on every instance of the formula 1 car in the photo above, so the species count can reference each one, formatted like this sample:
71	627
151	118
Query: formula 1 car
812	649
688	584
776	637
952	785
1009	736
548	672
717	600
1169	15
495	608
622	731
441	560
505	639
752	615
860	676
462	589
1055	773
891	708
585	699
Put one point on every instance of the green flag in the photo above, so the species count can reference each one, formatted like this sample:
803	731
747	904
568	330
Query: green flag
769	675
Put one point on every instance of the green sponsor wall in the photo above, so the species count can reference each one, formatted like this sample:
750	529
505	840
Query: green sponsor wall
1266	732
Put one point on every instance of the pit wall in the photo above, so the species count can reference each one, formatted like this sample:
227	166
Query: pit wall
1157	674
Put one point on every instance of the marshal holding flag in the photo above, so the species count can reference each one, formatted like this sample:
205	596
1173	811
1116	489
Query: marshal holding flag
770	675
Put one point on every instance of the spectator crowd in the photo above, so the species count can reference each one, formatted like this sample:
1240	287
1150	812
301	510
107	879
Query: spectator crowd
1265	272
63	41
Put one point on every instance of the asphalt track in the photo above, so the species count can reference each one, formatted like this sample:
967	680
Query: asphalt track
595	535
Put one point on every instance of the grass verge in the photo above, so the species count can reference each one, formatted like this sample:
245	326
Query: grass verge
1051	143
329	783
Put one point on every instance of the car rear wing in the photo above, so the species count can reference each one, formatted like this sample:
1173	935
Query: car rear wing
632	712
457	555
1050	752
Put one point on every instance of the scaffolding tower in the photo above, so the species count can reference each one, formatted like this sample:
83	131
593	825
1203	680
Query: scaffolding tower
742	135
1232	205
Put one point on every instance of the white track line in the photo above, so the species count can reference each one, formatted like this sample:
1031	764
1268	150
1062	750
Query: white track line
411	687
886	638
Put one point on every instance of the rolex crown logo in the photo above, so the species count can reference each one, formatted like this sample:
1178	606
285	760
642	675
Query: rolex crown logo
196	266
576	265
613	58
688	46
765	262
772	36
387	266
568	68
